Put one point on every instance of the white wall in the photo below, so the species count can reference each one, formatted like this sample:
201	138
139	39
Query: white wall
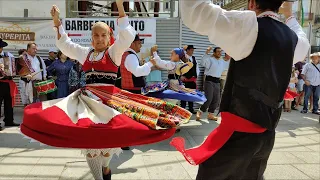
37	8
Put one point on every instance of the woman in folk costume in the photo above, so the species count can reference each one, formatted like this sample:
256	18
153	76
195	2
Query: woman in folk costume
173	89
258	77
99	117
291	92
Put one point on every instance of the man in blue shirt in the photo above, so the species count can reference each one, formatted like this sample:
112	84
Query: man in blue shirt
214	66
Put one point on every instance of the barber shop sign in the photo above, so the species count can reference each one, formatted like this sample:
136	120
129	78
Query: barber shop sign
79	29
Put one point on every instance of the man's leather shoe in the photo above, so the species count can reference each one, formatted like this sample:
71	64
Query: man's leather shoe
11	124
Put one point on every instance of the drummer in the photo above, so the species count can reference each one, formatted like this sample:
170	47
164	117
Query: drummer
8	88
28	92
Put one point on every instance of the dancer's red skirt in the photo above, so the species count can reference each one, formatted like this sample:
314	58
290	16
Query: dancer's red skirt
53	126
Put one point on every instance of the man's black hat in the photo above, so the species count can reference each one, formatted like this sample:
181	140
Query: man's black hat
191	47
2	43
137	38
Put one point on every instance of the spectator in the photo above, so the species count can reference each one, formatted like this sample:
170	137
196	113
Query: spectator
77	77
311	77
62	67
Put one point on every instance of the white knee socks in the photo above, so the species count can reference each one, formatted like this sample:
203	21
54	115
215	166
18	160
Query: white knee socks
106	161
95	165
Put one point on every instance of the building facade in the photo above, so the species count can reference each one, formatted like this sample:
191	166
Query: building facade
30	8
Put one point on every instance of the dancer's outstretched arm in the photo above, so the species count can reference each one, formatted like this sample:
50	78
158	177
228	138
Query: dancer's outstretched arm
64	43
126	34
167	65
303	44
234	31
125	37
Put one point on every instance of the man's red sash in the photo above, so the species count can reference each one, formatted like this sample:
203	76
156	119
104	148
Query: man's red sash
13	90
217	138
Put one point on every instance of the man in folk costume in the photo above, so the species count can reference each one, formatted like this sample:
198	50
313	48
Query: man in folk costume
8	88
263	51
131	73
190	78
36	73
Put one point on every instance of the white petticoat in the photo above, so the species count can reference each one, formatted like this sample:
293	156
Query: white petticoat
92	152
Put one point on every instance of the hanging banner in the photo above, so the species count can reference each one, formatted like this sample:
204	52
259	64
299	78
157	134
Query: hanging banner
79	30
19	33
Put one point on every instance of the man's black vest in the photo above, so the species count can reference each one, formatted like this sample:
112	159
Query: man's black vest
256	85
193	71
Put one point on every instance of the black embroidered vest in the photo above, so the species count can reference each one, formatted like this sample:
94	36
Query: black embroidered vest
193	71
256	85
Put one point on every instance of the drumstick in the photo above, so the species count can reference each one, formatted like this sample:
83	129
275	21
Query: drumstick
33	74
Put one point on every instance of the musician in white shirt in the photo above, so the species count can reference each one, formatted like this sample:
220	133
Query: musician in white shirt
28	92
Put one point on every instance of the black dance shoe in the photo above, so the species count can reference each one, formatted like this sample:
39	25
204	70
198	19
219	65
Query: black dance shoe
11	124
106	176
125	148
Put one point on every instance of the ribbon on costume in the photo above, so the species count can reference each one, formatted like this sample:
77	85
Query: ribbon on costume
111	40
216	139
193	79
13	90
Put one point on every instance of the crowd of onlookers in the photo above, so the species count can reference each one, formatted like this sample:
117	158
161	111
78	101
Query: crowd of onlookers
305	80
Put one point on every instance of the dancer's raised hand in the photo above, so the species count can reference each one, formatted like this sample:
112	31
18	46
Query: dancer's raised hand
120	8
153	61
208	50
286	9
55	12
154	49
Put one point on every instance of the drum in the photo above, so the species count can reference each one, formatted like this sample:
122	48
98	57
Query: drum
45	87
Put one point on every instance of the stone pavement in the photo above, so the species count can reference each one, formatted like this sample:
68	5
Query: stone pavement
296	155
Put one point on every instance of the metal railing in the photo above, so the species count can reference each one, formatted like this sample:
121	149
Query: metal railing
97	9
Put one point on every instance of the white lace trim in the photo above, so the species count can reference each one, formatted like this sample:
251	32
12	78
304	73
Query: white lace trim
102	74
94	152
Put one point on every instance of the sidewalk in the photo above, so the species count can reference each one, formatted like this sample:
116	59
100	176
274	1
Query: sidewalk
296	155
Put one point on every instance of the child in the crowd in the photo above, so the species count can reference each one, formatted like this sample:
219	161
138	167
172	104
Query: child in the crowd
291	92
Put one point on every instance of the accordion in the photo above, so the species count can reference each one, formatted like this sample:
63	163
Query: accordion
24	66
7	66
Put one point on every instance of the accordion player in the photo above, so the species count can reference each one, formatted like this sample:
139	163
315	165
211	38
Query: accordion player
7	65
